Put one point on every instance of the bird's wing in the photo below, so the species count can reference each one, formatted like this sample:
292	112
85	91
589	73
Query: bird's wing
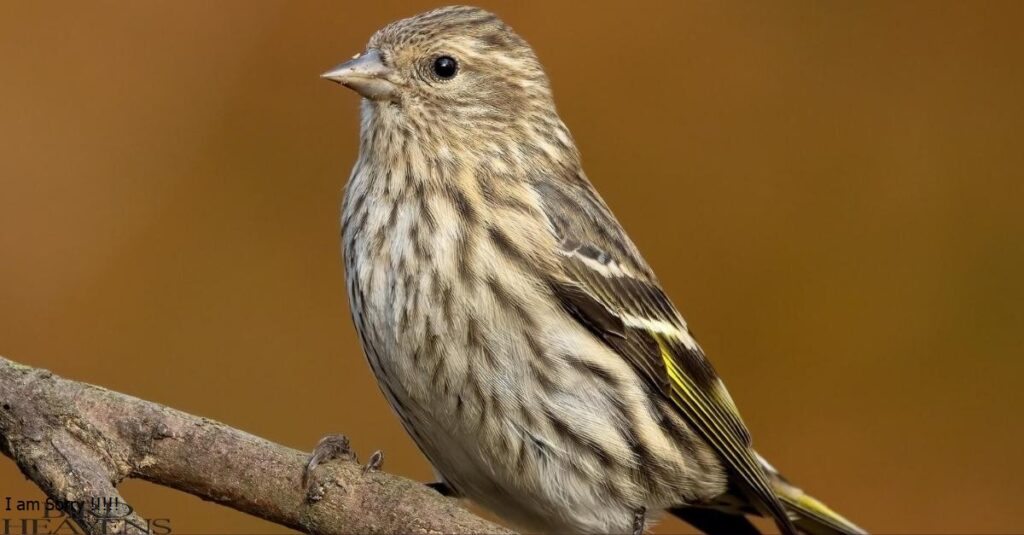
609	289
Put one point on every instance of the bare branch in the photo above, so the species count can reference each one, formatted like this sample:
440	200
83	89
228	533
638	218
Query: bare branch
78	441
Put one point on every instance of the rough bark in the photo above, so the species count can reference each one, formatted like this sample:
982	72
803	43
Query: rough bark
78	441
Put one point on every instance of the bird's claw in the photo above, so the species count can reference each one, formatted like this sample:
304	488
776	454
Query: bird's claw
329	448
375	462
639	518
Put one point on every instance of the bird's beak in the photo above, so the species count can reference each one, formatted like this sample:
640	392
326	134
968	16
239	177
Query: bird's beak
365	74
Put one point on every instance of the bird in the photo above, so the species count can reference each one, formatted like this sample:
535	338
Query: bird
515	329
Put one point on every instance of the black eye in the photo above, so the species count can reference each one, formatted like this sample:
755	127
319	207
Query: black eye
446	67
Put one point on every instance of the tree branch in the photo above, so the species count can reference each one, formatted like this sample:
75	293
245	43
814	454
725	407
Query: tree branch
78	441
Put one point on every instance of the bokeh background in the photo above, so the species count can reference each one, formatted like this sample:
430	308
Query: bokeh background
831	191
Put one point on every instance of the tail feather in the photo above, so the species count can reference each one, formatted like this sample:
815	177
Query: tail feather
813	517
726	515
809	515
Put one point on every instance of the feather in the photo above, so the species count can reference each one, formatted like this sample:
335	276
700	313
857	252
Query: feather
605	284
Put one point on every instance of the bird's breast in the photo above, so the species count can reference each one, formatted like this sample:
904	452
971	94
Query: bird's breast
490	376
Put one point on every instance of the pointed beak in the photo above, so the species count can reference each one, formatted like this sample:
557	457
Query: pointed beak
365	74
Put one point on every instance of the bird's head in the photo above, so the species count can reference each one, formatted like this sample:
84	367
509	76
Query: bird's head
451	68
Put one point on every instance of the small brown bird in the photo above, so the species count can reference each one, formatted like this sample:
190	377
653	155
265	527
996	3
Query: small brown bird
522	339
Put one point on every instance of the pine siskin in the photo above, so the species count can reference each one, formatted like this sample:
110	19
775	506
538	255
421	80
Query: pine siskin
511	323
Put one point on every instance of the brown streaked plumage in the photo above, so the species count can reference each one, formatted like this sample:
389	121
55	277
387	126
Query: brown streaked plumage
516	330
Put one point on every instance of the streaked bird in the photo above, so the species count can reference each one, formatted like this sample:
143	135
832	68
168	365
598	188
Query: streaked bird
514	327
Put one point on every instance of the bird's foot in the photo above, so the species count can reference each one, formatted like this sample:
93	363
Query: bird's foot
375	462
329	448
639	518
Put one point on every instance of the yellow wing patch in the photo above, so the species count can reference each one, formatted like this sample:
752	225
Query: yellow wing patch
717	423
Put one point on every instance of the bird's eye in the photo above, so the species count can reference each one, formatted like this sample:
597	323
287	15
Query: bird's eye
446	67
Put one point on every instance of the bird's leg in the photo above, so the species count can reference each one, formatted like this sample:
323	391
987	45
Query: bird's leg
639	517
444	489
329	448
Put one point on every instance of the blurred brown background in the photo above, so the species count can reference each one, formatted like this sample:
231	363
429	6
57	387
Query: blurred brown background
831	191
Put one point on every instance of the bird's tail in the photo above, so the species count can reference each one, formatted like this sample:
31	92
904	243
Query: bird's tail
808	514
727	515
